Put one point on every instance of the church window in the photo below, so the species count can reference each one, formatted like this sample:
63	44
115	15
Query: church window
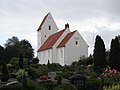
49	27
76	43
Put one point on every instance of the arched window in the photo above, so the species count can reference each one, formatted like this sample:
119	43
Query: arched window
49	28
76	43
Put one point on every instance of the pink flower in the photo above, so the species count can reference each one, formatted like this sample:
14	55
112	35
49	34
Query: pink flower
111	71
105	75
115	71
110	75
99	77
106	70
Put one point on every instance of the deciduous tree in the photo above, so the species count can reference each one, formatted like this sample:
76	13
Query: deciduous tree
21	62
2	54
5	74
14	48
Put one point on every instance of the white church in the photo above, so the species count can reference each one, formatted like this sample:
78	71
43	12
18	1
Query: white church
59	46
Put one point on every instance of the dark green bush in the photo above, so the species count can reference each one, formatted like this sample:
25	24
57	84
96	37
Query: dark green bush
48	85
33	73
5	74
11	87
92	84
32	85
65	86
66	75
12	75
54	67
35	66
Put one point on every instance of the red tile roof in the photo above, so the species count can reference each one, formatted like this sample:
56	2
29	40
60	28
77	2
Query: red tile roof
66	39
51	41
42	22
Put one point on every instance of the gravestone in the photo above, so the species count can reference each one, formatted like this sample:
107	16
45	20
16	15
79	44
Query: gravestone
78	80
52	75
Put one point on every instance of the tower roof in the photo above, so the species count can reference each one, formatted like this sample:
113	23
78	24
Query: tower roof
43	21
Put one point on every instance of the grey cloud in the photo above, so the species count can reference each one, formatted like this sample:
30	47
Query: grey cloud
70	10
31	12
84	9
107	34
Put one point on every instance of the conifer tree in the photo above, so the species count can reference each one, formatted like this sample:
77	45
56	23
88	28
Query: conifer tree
114	60
48	66
99	55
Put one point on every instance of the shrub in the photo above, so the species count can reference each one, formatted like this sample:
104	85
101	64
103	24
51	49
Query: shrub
12	75
33	73
54	67
48	84
92	84
35	66
15	61
110	76
11	87
113	87
65	86
5	74
32	85
65	73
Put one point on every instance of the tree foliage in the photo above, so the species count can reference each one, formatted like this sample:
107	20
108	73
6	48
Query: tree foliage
5	74
11	41
2	54
114	60
35	60
99	54
15	63
26	49
14	48
21	62
24	82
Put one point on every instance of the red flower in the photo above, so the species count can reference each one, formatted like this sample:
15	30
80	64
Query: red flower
44	77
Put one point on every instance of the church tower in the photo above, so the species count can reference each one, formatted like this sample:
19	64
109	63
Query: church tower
46	28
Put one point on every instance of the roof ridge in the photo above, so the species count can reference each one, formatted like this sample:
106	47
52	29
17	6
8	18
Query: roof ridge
59	31
66	39
43	21
51	40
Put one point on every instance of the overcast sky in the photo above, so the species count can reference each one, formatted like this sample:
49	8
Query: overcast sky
21	18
